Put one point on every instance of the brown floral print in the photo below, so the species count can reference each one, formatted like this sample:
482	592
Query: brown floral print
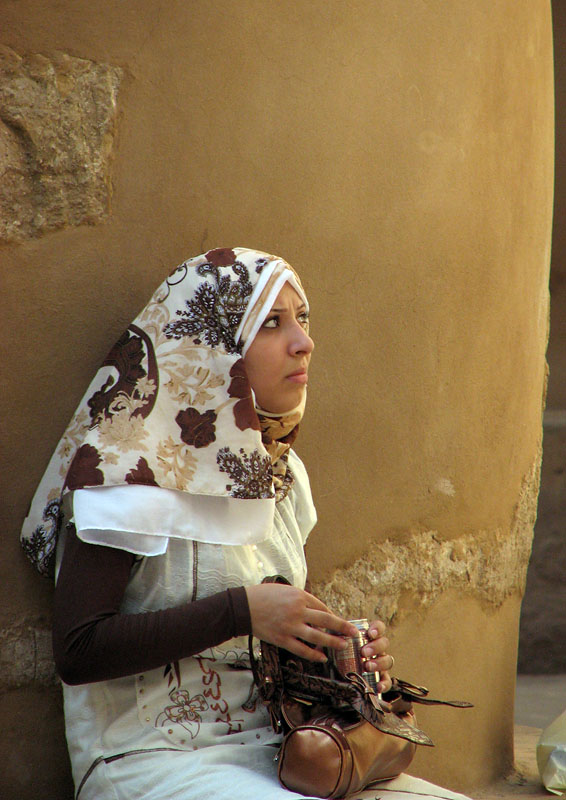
251	473
221	256
133	380
215	310
244	410
141	473
84	468
197	429
183	711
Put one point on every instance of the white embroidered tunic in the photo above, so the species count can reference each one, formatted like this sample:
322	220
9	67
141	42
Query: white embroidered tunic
205	700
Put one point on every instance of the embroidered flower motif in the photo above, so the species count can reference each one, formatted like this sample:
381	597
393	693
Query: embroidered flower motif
184	711
123	430
84	468
40	546
216	309
176	459
72	437
260	263
145	387
197	429
283	483
244	410
141	473
251	473
190	383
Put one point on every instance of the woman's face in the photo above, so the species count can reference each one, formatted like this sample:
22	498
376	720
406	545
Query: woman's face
277	360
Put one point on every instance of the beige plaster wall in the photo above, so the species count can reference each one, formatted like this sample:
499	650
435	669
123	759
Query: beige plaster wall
401	158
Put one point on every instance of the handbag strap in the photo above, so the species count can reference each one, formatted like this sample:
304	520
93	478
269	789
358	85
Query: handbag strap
419	694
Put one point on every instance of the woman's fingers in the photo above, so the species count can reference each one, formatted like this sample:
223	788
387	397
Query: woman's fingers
284	615
316	613
376	629
321	638
376	648
378	644
327	621
299	648
378	659
294	619
381	664
384	683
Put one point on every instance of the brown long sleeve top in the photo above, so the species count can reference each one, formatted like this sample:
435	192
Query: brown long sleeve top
93	641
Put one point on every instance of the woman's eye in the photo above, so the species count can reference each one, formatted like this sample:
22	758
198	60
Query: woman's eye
272	322
304	319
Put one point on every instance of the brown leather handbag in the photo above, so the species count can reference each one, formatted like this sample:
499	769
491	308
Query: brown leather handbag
339	736
332	756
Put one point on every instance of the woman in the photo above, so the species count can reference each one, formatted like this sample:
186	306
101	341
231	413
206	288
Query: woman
172	494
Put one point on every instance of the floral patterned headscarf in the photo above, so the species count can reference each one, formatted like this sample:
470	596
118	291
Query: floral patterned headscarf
171	405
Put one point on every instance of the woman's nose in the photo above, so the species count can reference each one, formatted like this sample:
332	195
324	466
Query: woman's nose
301	342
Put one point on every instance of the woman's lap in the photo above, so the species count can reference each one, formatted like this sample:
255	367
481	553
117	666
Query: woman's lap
224	772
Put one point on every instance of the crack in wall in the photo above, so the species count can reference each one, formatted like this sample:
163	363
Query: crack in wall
394	577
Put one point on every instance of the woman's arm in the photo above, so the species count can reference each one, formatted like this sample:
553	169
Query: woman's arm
93	641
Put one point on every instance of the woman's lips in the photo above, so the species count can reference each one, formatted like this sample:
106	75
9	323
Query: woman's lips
298	377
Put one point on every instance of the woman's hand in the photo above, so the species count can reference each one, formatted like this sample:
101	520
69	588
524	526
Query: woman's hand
376	651
285	615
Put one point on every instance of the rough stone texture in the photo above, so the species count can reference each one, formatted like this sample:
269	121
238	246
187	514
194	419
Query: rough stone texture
543	623
397	575
57	120
26	656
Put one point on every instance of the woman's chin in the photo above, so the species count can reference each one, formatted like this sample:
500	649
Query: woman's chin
286	401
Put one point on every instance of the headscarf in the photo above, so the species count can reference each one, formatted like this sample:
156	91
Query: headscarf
171	406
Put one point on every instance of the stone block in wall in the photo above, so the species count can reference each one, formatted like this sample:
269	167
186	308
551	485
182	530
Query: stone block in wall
57	134
26	656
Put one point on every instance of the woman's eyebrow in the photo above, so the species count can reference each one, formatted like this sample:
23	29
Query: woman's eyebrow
274	310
